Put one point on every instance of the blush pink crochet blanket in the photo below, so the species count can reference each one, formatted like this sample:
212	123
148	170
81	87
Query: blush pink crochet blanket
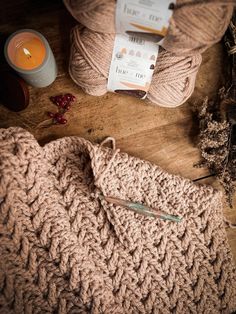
62	250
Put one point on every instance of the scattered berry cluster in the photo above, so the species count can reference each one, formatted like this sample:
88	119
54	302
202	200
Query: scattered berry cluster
63	102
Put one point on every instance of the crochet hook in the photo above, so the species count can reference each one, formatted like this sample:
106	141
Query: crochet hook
142	209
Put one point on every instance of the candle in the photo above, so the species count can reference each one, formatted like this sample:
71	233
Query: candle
30	55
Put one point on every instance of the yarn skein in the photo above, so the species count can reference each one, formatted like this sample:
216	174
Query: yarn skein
194	26
91	52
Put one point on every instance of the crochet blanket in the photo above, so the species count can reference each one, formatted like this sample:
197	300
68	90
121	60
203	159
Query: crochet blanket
64	250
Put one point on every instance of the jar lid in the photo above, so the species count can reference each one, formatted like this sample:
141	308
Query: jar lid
14	92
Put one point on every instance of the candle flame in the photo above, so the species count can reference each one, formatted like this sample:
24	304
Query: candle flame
27	53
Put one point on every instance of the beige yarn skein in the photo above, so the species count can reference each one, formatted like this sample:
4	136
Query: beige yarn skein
173	80
195	25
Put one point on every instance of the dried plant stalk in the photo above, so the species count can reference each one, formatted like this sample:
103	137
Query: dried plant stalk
214	139
217	138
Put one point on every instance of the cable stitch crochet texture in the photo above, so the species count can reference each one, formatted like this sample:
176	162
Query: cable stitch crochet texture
62	250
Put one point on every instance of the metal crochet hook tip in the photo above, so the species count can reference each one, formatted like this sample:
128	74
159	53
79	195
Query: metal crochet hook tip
142	209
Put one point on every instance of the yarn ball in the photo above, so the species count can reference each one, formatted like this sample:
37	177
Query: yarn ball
91	52
194	26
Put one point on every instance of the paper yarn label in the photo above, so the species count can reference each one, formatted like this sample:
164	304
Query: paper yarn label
132	65
143	16
140	25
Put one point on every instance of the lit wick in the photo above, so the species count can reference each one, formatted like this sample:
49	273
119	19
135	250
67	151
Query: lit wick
27	53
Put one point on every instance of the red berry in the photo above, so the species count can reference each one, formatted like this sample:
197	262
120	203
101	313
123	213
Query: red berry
59	118
63	104
70	97
63	121
51	114
67	107
58	98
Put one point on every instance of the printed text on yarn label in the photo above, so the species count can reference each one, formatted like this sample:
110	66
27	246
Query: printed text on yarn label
144	16
132	66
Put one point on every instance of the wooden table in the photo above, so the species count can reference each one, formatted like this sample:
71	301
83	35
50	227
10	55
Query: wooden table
167	137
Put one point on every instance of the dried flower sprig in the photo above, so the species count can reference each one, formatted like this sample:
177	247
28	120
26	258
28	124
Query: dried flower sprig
214	142
217	138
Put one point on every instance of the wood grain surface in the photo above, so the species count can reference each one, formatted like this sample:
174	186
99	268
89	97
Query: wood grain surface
167	137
